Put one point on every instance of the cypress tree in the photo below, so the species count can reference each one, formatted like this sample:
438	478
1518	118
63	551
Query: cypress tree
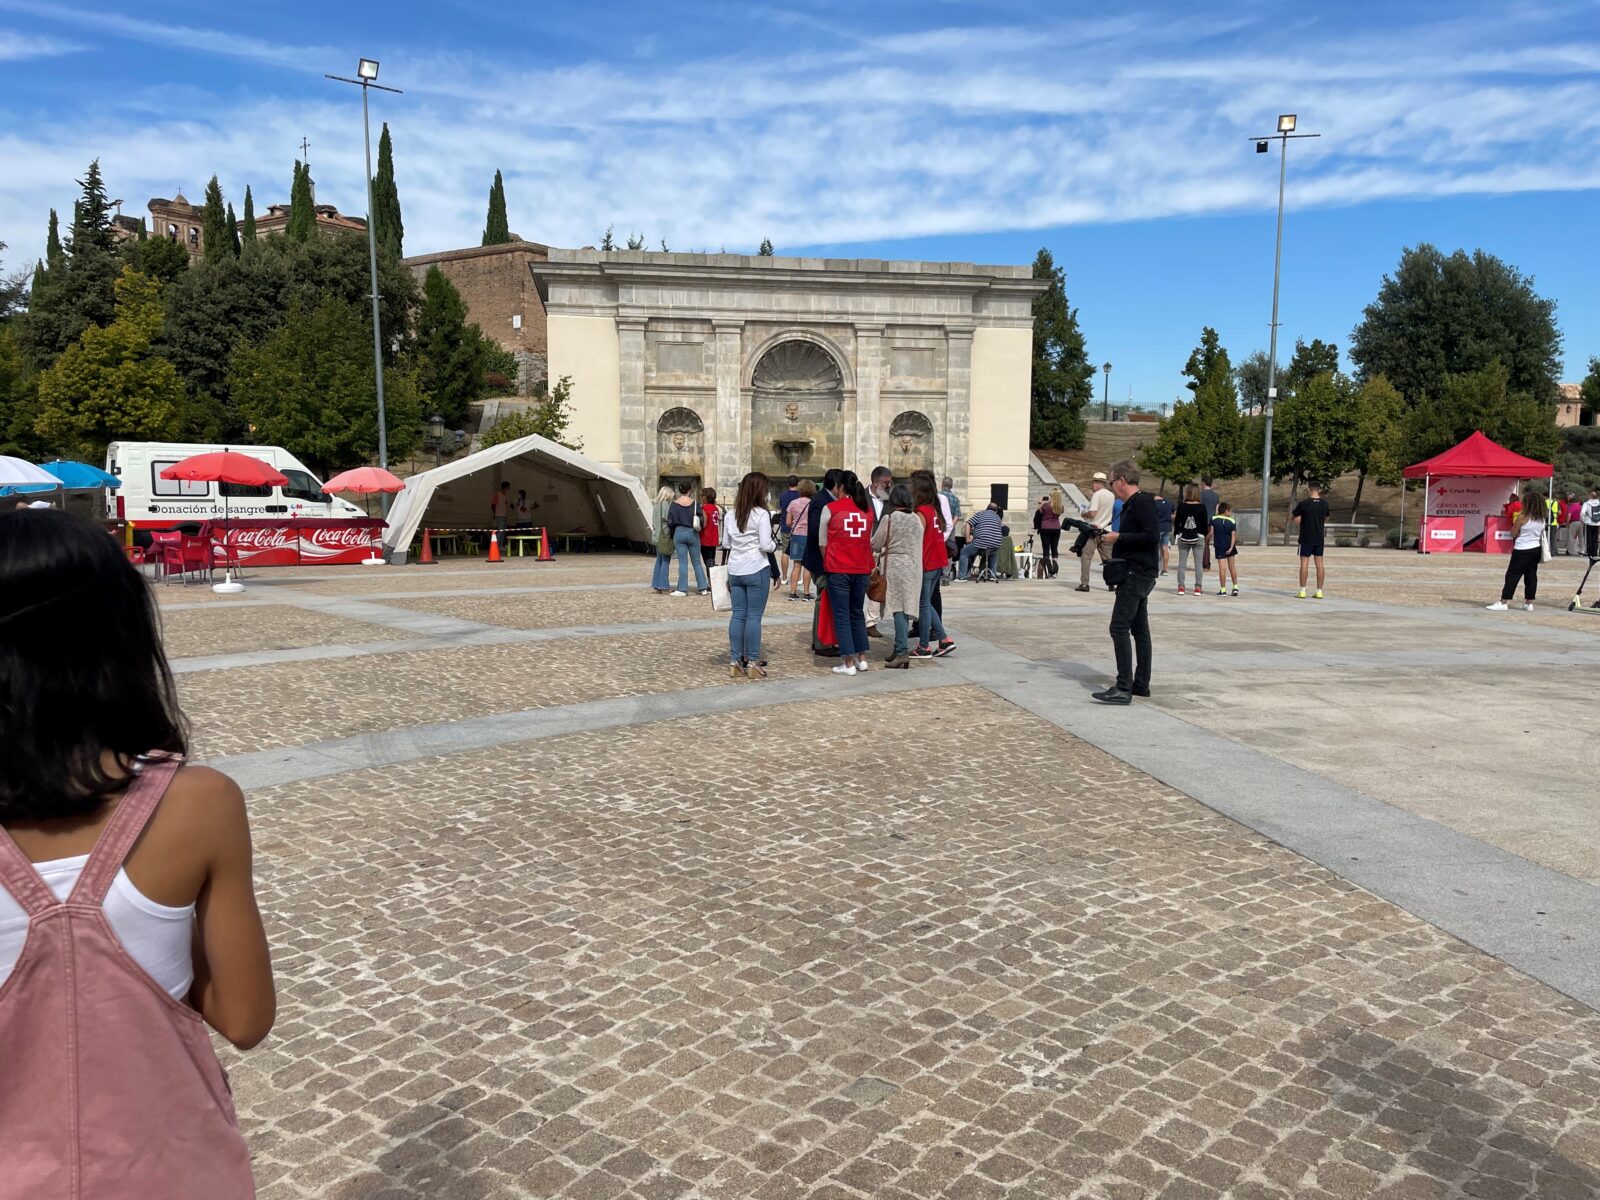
233	230
249	230
496	231
91	215
387	227
215	230
608	242
52	244
766	250
302	210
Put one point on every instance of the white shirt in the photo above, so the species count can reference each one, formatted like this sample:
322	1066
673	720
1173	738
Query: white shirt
1591	512
748	548
1098	513
1528	534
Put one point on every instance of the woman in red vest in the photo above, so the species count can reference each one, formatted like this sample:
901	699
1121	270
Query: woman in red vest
845	532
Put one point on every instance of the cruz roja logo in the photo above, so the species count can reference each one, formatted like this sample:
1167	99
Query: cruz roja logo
855	524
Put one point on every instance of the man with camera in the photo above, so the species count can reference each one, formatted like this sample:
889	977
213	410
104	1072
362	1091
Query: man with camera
1098	514
1133	570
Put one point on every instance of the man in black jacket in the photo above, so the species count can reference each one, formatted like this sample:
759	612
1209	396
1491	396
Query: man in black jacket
1137	543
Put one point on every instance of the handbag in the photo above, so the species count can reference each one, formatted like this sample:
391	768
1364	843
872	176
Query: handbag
1115	572
1544	545
877	586
721	597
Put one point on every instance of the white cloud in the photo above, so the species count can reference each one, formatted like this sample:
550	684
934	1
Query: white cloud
931	131
20	47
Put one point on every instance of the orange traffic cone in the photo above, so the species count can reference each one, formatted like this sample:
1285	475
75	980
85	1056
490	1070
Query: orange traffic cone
427	548
544	545
494	548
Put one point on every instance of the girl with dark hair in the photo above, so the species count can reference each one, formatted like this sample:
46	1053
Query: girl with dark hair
683	518
128	918
746	541
1529	524
935	558
845	533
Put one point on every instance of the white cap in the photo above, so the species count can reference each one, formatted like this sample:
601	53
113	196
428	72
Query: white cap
41	504
1098	477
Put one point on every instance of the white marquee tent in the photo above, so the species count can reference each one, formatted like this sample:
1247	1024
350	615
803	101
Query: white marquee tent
568	492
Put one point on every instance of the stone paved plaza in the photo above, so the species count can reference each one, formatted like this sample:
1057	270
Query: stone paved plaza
560	910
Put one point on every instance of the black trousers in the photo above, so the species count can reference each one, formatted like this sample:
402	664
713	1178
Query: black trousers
1524	566
1130	631
1050	543
1592	540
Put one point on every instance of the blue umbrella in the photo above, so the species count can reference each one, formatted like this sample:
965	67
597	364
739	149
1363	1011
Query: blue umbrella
74	477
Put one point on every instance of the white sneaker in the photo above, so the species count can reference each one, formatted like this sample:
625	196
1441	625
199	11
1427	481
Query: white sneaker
1527	608
844	669
862	666
1497	606
675	592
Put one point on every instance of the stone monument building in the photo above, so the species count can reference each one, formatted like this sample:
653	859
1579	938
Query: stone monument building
497	287
704	366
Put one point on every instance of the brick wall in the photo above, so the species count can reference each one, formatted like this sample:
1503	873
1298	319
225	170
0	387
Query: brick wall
497	286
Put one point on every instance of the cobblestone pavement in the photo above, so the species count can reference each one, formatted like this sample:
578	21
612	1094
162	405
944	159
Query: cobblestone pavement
924	945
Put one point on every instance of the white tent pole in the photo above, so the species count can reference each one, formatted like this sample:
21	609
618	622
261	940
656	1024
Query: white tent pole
1422	541
1401	545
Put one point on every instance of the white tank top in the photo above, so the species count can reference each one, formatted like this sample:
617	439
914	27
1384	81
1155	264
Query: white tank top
1529	534
157	937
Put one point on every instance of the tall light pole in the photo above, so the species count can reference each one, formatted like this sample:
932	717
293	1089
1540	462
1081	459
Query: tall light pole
1105	396
367	78
1285	131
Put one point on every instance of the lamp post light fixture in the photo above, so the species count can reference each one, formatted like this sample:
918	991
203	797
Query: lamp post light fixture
1105	395
1286	124
436	435
367	72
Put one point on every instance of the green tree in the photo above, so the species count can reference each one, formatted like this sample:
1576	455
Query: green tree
1590	388
110	384
766	250
609	242
302	223
1174	452
248	233
496	230
1309	361
161	258
548	418
1203	359
1441	315
500	368
1314	431
78	289
1251	376
1380	436
53	253
12	290
216	230
18	401
309	387
1063	377
636	241
233	232
1214	432
453	357
388	229
1481	400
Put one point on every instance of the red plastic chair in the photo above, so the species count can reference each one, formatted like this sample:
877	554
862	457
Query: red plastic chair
166	551
195	557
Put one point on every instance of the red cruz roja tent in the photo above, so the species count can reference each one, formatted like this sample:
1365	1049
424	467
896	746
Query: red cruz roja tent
1475	458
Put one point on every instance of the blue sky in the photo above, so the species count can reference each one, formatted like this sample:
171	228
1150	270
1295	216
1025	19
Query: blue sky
936	129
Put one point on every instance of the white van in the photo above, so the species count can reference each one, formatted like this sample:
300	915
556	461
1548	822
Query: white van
147	499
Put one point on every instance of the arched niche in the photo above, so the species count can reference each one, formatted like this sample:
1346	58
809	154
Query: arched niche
911	444
680	445
796	397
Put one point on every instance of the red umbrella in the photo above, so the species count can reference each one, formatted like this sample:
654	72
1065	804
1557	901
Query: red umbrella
364	481
226	466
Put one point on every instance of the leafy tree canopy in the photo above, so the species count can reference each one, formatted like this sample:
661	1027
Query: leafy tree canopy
77	289
548	418
453	353
1315	429
1481	400
1440	315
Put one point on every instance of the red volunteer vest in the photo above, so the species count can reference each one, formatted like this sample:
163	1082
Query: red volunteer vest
849	548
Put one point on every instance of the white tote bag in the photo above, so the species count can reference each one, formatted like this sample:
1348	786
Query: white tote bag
721	598
1544	545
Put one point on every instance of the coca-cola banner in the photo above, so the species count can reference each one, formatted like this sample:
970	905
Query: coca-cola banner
266	542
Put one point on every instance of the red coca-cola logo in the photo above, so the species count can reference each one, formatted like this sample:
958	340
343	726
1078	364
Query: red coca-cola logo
348	539
262	539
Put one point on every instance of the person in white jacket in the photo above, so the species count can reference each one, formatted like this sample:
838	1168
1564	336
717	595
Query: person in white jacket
747	539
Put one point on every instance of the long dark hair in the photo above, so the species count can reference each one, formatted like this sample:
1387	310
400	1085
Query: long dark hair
850	485
924	492
752	494
1534	505
84	683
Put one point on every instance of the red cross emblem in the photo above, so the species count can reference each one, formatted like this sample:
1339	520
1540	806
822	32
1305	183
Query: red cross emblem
855	524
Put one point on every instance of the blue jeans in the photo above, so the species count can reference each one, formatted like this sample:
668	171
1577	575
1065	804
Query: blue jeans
902	627
662	577
847	594
687	543
749	595
970	552
929	626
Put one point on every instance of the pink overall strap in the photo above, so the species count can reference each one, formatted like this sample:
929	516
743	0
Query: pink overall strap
133	812
18	876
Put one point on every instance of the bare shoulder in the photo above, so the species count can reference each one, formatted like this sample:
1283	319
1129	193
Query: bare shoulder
204	803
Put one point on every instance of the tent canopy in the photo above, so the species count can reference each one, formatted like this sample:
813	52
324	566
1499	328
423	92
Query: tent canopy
568	492
1482	457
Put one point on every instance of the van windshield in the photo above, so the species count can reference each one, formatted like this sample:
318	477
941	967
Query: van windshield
304	487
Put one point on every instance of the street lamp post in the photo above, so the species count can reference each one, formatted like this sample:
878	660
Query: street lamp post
367	78
436	435
1105	395
1286	131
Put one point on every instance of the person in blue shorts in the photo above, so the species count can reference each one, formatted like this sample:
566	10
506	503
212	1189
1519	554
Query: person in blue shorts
1225	545
1312	516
